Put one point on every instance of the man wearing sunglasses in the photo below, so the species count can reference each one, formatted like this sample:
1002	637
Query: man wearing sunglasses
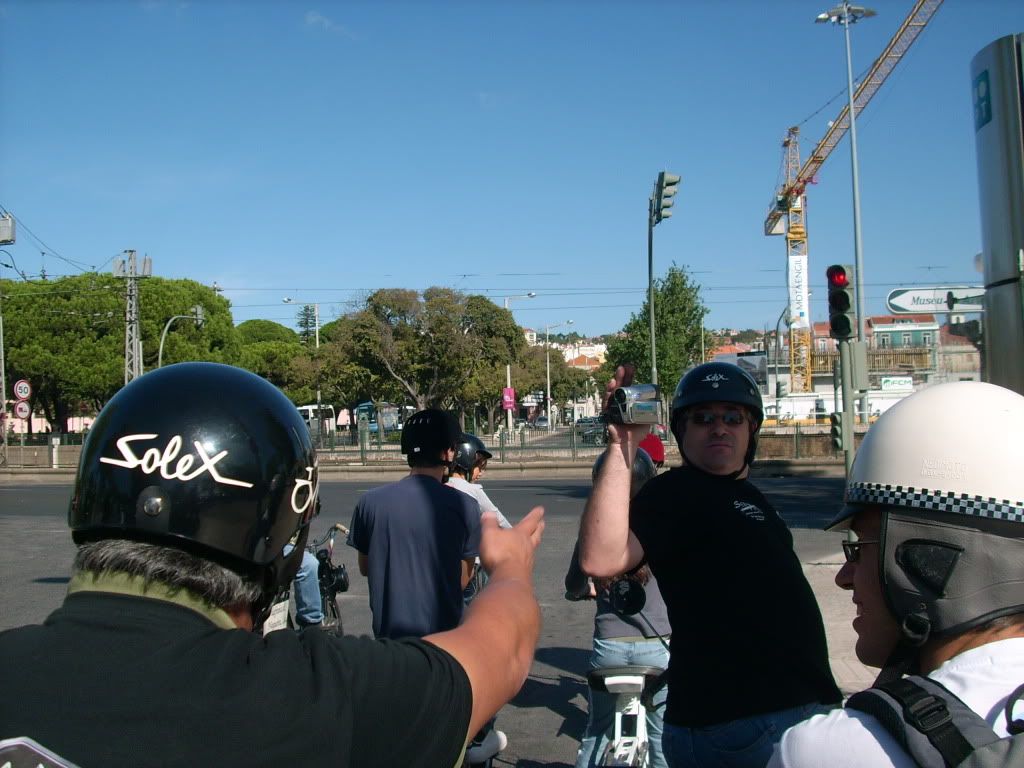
749	657
936	500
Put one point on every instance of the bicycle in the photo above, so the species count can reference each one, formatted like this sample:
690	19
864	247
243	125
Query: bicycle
333	579
634	686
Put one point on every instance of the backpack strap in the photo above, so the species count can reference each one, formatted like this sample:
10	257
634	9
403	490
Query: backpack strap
931	724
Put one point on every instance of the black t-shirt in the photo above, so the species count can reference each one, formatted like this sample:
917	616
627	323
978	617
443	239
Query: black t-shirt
747	635
111	680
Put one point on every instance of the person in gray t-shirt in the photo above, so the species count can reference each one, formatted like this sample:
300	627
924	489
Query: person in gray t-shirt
622	640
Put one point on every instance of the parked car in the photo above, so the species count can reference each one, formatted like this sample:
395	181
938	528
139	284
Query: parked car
541	422
596	435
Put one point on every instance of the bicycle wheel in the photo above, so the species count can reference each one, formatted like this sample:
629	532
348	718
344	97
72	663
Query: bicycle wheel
332	615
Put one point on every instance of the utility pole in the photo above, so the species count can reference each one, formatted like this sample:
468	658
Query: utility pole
658	209
127	269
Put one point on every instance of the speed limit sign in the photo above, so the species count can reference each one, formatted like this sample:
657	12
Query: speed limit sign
22	389
22	410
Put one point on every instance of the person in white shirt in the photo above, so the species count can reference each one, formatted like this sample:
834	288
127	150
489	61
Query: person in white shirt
467	468
936	501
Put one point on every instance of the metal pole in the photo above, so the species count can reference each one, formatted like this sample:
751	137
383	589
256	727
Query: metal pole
547	345
3	389
650	286
319	407
845	373
508	384
858	255
777	324
160	352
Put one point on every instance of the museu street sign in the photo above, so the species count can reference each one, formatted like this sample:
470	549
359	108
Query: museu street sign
939	298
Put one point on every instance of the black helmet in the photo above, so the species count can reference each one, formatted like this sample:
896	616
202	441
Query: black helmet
469	450
718	383
643	470
427	433
204	457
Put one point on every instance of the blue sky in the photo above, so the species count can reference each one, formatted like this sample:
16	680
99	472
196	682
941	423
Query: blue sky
319	150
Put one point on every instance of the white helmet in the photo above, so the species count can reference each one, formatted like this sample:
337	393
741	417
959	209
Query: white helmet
946	465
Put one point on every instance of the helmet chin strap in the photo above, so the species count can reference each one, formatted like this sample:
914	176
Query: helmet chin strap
916	629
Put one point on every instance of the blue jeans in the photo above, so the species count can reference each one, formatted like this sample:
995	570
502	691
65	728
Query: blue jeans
306	590
618	653
745	743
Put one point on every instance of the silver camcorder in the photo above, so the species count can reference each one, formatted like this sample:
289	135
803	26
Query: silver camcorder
639	404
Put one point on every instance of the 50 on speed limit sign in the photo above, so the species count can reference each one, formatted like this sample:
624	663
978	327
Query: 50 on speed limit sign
22	389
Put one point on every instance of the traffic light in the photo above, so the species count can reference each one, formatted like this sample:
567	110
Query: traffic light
838	430
664	191
841	317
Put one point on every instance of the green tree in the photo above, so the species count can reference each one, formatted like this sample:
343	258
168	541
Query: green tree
252	331
678	312
66	336
431	344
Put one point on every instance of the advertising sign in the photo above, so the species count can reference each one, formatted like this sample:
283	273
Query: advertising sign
796	278
891	383
508	398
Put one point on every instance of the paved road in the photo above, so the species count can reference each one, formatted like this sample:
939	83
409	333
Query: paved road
546	719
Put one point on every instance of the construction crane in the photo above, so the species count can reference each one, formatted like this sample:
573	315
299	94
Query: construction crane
786	214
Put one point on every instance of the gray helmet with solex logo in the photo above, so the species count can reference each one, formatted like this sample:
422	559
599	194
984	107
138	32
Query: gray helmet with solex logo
718	383
944	465
204	457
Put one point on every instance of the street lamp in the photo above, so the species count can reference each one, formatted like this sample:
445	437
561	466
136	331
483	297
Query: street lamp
547	344
847	14
508	365
319	408
198	315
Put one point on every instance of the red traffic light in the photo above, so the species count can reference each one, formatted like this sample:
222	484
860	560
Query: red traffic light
837	276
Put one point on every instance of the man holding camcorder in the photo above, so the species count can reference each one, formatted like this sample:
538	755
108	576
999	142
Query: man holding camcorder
749	656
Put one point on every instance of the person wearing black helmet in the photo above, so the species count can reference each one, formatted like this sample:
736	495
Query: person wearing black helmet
193	479
468	467
934	570
418	538
749	656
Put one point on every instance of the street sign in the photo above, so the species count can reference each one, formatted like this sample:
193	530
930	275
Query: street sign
22	410
22	390
939	298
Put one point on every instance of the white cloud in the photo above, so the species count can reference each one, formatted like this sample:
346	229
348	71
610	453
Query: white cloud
317	19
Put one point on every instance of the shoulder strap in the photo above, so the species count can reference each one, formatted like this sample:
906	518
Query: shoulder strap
931	724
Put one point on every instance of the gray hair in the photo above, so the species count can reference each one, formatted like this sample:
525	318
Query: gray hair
218	586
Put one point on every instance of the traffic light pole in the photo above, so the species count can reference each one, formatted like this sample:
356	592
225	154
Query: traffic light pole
846	381
650	287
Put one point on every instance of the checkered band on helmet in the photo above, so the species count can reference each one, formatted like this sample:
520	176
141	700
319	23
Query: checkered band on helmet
935	501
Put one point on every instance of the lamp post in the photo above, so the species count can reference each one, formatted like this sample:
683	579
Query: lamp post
508	365
3	385
319	407
198	315
547	344
847	14
777	324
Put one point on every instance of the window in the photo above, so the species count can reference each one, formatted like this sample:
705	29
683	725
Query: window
926	339
906	340
883	341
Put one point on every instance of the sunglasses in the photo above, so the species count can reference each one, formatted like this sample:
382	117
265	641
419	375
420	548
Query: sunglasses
852	548
707	418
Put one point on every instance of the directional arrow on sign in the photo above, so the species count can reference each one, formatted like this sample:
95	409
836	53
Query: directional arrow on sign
939	298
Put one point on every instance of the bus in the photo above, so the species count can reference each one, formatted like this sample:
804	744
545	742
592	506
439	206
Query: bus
326	425
384	416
